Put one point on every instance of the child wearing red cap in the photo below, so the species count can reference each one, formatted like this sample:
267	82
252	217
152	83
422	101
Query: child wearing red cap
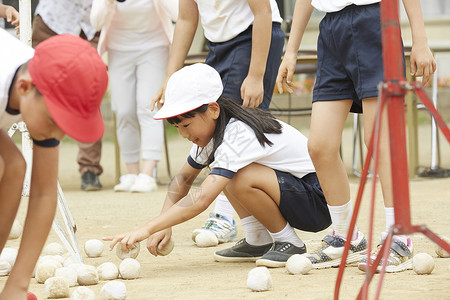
261	164
55	89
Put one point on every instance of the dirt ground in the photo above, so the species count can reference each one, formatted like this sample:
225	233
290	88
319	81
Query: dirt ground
190	272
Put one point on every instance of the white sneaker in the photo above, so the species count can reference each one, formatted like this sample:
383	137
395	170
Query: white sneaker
144	184
126	181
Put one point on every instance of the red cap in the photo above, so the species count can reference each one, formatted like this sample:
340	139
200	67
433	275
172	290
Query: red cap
72	77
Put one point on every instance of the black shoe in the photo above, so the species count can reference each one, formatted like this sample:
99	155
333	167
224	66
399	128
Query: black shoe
90	182
278	255
241	251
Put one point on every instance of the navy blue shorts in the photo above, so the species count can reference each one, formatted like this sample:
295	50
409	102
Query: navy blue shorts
302	202
349	55
232	60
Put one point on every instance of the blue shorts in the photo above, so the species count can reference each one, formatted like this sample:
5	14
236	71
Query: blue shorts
232	60
349	55
302	202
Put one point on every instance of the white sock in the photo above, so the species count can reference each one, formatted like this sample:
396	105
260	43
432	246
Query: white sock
287	235
255	232
390	221
224	208
390	218
341	217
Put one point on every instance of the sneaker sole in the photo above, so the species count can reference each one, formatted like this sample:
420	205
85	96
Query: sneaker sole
351	258
270	263
91	188
407	265
235	259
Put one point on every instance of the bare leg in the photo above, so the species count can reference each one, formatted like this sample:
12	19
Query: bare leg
10	185
148	167
384	158
254	190
327	123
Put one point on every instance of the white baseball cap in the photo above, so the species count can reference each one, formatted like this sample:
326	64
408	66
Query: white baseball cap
188	89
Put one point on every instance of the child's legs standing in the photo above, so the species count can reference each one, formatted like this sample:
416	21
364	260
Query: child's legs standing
150	72
122	74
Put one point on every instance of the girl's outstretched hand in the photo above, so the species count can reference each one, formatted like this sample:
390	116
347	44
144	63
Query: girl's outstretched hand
158	240
128	239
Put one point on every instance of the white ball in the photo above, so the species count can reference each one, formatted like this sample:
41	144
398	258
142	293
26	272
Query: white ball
53	249
206	238
132	253
259	279
129	268
70	260
167	249
53	259
5	268
423	263
10	255
16	230
83	293
87	275
107	271
298	264
441	252
113	290
56	287
69	274
93	248
44	271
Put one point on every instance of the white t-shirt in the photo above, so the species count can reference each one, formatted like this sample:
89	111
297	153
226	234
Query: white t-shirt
136	25
240	147
13	53
337	5
224	20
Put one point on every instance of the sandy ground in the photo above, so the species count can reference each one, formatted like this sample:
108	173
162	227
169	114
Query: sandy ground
190	272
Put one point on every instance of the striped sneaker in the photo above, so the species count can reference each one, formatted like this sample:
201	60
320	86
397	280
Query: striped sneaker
278	254
224	229
400	257
330	252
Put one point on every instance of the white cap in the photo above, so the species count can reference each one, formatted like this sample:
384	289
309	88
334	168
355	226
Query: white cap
188	89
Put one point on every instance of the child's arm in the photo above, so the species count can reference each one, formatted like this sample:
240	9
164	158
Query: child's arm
422	61
183	36
252	89
11	15
40	215
302	14
188	207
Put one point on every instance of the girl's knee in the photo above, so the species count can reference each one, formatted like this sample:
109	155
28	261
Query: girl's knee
319	149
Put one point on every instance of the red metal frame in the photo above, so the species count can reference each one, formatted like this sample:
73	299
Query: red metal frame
392	92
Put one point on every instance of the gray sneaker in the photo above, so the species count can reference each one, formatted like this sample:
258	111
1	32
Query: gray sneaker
278	254
241	252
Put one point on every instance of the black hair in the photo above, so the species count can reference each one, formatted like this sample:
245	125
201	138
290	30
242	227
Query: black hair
260	121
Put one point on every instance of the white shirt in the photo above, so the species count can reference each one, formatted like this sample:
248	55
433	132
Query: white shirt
136	25
240	147
223	20
13	53
67	16
337	5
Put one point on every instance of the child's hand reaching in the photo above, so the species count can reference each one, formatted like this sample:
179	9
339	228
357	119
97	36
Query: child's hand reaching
12	16
128	239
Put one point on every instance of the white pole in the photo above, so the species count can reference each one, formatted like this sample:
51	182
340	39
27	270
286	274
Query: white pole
27	144
25	21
